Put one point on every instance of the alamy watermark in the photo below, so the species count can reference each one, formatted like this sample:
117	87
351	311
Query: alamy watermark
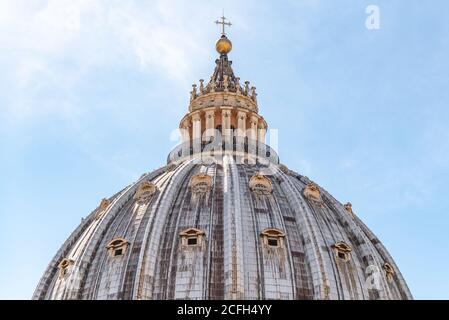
372	22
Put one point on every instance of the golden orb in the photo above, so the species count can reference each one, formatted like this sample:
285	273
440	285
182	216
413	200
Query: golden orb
223	45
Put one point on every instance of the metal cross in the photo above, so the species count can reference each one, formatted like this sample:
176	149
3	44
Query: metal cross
223	24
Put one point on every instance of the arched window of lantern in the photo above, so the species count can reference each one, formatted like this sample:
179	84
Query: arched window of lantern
273	238
145	191
260	184
117	247
200	183
192	237
64	266
389	271
342	251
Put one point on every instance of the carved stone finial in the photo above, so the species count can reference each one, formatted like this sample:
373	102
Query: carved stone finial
201	86
254	94
212	85
237	85
246	87
193	93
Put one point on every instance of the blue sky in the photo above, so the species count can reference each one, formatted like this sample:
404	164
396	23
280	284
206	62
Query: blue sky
91	91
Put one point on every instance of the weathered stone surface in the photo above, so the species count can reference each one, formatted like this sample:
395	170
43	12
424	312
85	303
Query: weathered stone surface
229	229
231	259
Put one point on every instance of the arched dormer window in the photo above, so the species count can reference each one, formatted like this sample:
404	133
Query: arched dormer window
64	266
342	251
144	192
192	237
389	271
273	238
260	184
200	183
312	192
117	247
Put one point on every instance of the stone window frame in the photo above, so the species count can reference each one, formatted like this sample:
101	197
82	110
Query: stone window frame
272	234
145	191
342	251
389	271
117	247
192	233
200	183
63	266
260	184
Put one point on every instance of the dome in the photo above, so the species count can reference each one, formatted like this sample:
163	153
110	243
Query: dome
222	222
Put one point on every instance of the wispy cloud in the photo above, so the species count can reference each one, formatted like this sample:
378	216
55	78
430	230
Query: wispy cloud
54	43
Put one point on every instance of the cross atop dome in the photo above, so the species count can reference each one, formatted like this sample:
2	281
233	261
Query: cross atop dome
223	80
223	45
223	24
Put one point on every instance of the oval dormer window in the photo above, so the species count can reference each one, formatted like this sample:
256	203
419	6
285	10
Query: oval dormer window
200	183
145	191
260	184
117	247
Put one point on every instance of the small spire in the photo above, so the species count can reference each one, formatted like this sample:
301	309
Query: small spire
212	84
201	86
254	94
246	87
237	84
193	92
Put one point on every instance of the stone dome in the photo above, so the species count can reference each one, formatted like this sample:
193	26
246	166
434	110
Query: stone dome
223	223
